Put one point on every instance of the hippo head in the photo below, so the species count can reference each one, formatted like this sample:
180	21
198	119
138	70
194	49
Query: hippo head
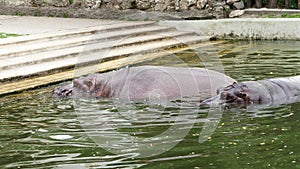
240	94
92	85
79	86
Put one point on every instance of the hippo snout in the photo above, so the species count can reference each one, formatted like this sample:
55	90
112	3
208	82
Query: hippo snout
211	101
63	91
226	97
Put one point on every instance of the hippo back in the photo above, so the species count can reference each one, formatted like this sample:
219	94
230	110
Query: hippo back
157	81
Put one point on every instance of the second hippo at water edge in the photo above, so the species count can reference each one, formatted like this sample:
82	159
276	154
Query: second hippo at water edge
268	92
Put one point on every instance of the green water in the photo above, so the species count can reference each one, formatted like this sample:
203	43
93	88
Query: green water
37	131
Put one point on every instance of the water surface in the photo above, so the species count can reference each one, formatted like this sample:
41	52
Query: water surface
37	131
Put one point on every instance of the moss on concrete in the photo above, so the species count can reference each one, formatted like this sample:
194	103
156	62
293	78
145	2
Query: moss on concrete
6	35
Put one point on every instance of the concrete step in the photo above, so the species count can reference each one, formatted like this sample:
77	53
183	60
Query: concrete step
109	26
22	49
9	63
35	60
30	83
98	56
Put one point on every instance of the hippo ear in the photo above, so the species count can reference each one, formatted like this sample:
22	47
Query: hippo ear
234	84
220	90
225	88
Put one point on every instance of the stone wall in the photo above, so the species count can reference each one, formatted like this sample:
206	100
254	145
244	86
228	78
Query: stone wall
190	9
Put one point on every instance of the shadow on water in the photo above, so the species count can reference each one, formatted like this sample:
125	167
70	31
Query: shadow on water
37	131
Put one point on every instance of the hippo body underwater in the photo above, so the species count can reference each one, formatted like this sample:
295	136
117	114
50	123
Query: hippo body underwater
270	92
146	82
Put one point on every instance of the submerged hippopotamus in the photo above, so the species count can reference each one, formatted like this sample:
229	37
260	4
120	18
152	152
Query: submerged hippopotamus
267	92
147	82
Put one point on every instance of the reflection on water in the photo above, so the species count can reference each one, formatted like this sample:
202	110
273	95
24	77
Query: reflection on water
144	129
37	131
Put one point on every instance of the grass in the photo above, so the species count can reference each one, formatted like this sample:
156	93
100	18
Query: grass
6	35
20	14
65	15
284	15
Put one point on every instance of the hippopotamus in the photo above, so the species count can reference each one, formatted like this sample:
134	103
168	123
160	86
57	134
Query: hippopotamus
275	91
147	82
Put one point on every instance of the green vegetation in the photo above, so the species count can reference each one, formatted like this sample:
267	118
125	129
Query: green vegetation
20	14
294	4
37	13
227	10
280	3
284	15
65	15
6	35
45	2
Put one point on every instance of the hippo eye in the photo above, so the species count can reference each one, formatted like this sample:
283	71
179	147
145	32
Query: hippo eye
224	95
89	84
244	87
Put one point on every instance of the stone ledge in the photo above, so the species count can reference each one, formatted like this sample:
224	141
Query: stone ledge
114	14
243	28
263	11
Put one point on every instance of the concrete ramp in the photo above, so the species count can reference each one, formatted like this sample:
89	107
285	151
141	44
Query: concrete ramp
31	61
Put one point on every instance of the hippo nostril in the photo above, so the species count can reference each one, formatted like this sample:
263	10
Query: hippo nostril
244	95
69	92
61	91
